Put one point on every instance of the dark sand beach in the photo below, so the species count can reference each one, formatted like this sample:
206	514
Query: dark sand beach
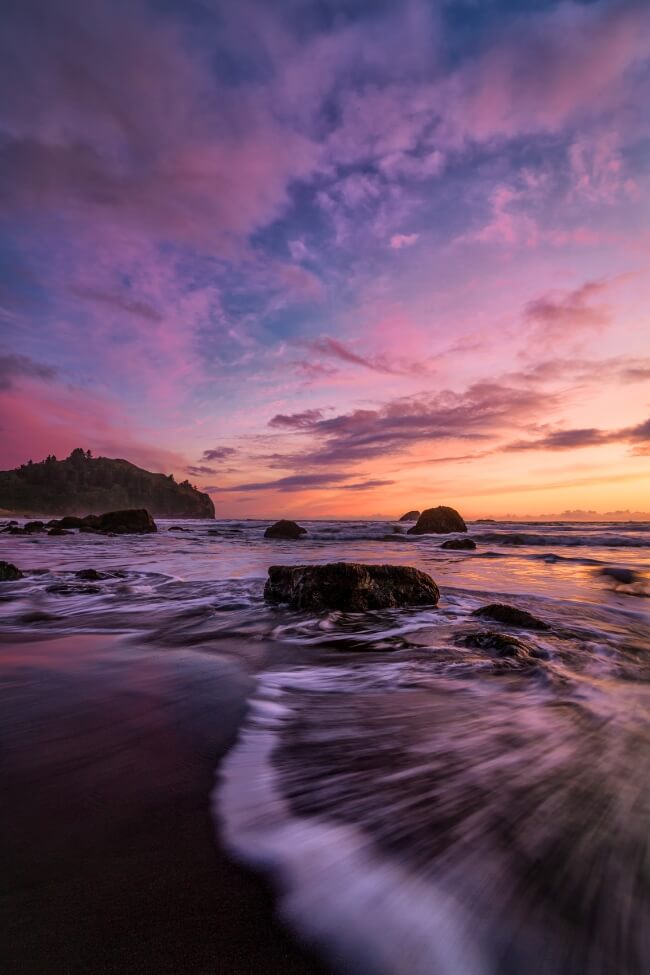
111	862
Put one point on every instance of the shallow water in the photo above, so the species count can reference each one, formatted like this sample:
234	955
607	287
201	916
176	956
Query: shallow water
424	803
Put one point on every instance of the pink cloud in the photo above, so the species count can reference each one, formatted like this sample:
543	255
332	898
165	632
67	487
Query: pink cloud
50	418
398	241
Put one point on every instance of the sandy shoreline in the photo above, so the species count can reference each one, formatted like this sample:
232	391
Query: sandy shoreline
109	755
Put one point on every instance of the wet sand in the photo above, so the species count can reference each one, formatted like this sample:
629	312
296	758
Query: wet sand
111	863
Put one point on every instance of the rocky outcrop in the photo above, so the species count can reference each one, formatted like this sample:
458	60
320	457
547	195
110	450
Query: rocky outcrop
438	521
285	529
410	516
350	586
9	572
132	521
511	616
459	544
83	483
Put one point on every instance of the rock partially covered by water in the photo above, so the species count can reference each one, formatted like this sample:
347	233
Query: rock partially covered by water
285	529
511	616
90	575
496	644
350	586
620	573
34	526
438	521
130	521
9	572
459	544
410	516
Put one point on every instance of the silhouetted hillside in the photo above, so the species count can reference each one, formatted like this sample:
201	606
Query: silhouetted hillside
82	484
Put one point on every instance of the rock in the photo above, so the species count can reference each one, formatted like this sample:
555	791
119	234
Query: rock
177	528
17	530
460	544
410	516
620	573
71	521
89	530
9	572
65	589
511	616
497	644
58	531
284	529
130	521
438	521
90	575
350	586
34	526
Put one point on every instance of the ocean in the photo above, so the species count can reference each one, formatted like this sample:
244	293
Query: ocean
422	800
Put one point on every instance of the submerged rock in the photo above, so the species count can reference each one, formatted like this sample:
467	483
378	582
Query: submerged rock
511	616
496	644
460	544
619	573
58	531
130	521
438	521
410	516
350	586
67	589
285	529
90	575
9	572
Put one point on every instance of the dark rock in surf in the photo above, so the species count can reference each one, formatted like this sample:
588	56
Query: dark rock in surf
511	616
34	526
350	586
71	521
410	516
285	529
132	521
177	528
66	589
58	531
459	544
496	644
90	575
620	573
9	572
438	521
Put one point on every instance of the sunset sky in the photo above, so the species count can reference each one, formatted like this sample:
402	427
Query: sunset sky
328	257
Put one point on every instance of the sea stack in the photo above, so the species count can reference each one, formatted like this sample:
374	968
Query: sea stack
285	529
410	516
438	521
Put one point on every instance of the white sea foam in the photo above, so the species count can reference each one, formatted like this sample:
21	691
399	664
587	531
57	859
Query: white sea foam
335	888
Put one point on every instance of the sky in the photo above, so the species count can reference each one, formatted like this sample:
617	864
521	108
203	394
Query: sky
331	258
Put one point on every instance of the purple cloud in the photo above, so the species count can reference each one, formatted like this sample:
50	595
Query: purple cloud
219	453
296	421
21	366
